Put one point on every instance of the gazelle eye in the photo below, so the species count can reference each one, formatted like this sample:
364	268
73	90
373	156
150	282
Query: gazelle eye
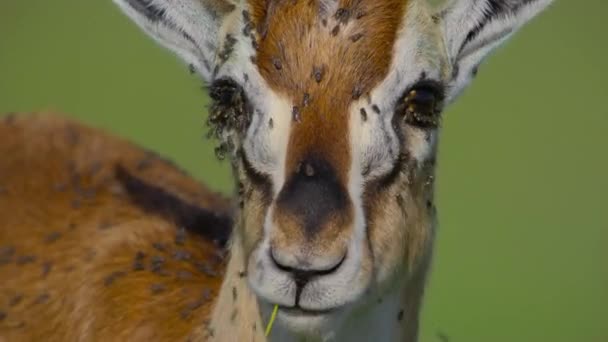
230	112
224	91
421	105
230	109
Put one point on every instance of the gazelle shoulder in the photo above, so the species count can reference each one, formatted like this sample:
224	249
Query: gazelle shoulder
103	234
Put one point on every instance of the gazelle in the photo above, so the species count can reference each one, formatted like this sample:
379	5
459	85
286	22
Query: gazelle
330	113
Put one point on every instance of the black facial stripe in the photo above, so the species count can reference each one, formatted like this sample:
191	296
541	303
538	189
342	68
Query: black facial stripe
257	178
390	178
386	137
404	160
496	8
399	163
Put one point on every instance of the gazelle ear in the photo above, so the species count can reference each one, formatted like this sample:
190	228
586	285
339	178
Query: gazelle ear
474	28
190	28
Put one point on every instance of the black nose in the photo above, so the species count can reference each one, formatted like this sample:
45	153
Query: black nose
302	274
313	195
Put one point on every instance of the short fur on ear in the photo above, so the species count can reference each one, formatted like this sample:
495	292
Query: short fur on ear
190	28
474	28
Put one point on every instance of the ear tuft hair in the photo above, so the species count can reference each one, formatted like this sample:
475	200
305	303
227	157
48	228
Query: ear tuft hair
190	28
474	28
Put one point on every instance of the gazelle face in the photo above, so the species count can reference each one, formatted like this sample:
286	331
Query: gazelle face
336	164
330	111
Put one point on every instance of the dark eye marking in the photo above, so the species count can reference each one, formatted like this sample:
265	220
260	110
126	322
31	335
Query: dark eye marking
258	178
389	178
421	105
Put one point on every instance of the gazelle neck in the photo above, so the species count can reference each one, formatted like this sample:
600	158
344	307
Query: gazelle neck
237	315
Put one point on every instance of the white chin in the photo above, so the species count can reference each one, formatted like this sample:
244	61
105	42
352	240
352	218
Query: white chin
309	324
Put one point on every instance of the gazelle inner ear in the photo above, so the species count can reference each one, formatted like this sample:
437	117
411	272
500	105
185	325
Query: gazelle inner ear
474	28
190	28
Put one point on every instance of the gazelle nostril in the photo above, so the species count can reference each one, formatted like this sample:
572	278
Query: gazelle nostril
306	168
309	170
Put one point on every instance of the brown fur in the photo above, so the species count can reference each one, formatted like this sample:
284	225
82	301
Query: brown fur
330	242
332	66
72	222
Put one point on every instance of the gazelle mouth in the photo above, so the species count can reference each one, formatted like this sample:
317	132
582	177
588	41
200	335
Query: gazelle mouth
299	311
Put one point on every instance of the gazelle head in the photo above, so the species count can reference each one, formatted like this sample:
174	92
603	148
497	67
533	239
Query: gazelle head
330	111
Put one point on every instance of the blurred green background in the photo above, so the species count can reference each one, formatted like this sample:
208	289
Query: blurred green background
521	253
